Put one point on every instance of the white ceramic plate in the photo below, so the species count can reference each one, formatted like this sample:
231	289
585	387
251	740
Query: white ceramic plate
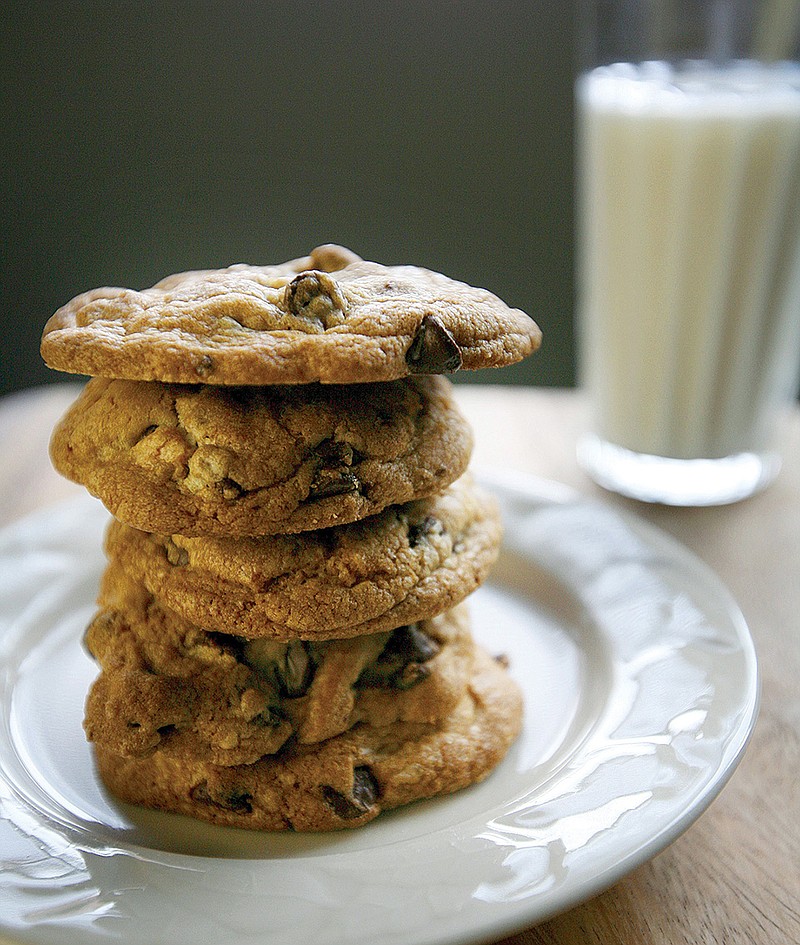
641	691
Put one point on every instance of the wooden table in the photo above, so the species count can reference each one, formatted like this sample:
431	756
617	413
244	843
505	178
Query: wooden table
734	877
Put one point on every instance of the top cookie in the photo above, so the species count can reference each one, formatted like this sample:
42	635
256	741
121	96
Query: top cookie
329	317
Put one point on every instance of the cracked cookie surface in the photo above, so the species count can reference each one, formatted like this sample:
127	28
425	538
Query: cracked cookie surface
329	316
407	563
200	460
195	695
344	781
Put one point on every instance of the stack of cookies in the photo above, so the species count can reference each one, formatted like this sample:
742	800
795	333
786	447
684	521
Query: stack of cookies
281	632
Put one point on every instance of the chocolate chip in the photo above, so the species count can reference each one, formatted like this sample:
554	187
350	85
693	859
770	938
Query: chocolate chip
315	295
419	530
227	643
230	488
296	670
410	676
333	482
401	663
433	350
334	475
200	793
365	787
177	556
335	453
365	792
204	366
269	718
410	643
237	801
303	289
286	666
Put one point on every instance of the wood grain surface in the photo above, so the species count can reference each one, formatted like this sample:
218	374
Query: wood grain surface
734	877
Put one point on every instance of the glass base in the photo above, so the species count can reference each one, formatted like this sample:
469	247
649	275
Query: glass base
689	482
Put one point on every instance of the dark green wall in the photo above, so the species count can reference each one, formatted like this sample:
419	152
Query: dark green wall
147	138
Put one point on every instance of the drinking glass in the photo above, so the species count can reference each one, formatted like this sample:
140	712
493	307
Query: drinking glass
688	232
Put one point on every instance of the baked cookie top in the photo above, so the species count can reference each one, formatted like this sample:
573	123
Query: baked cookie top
329	316
201	460
344	781
168	684
407	563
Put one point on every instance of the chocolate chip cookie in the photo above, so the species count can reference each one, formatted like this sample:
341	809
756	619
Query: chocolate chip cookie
407	563
201	696
329	317
344	781
240	461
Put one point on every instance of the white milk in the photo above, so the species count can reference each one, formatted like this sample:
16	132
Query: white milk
689	283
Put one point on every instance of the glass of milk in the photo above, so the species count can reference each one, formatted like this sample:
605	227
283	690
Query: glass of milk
688	164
